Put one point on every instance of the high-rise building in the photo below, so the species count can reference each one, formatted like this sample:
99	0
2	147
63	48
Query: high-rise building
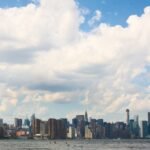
52	130
1	132
74	122
36	126
148	117
32	128
80	126
44	128
71	132
86	117
88	133
61	129
18	123
136	128
93	127
127	116
1	122
57	129
149	123
144	129
100	122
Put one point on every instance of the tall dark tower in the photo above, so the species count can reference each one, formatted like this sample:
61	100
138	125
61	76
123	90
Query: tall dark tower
86	117
128	116
148	117
149	123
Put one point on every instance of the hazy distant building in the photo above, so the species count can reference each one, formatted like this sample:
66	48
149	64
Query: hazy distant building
127	116
144	129
86	118
80	126
74	122
100	122
18	123
149	123
71	132
120	131
57	129
27	123
100	132
148	117
1	132
44	128
36	126
32	125
92	126
108	130
88	133
52	128
136	128
61	130
1	122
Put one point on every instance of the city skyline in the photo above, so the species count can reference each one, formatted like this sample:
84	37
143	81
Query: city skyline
80	127
60	58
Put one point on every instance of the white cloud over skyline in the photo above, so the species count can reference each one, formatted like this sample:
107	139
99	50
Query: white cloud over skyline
46	58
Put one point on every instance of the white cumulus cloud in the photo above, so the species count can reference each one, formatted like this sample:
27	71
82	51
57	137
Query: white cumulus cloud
45	58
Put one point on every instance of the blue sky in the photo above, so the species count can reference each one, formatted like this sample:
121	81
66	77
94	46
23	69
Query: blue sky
58	58
114	12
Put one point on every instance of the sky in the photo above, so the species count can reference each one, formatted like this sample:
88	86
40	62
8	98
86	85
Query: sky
60	58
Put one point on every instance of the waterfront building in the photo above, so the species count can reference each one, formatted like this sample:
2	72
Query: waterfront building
1	132
27	122
131	127
127	116
61	130
80	126
144	129
86	118
148	117
1	122
92	126
36	126
120	131
18	123
71	132
52	128
22	133
44	128
136	128
149	123
32	126
100	132
100	122
88	133
74	122
108	130
57	129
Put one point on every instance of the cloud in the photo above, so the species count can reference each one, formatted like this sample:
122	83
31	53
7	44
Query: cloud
46	58
95	18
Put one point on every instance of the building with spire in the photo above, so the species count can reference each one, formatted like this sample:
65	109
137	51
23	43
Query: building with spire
86	117
127	116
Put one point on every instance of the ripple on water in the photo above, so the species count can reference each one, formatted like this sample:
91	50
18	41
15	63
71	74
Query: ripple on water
75	145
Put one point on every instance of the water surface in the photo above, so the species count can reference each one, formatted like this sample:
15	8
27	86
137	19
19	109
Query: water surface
75	145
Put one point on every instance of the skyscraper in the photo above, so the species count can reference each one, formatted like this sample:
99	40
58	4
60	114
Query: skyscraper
1	122
148	117
86	118
18	123
144	129
149	123
128	116
80	126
